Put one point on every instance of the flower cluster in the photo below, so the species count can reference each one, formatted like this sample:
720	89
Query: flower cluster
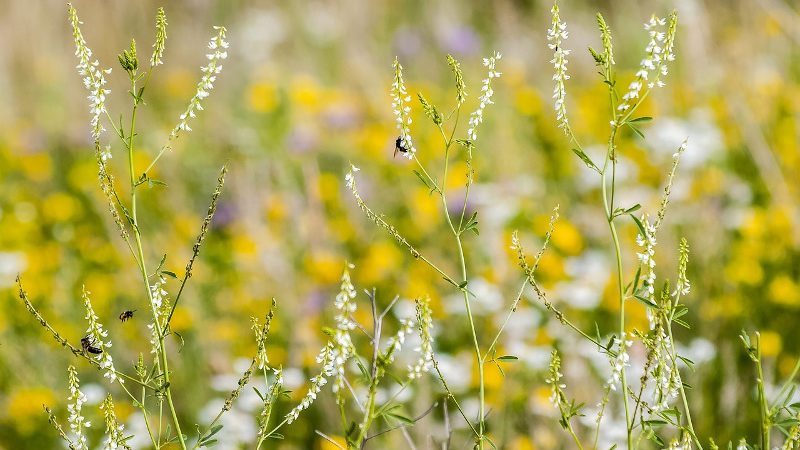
76	400
218	46
396	342
114	430
402	110
262	361
350	178
326	358
94	81
344	304
559	61
605	35
269	401
683	285
424	326
160	303
659	51
619	362
161	38
793	440
461	88
556	387
343	348
158	293
665	375
98	334
486	95
647	257
685	443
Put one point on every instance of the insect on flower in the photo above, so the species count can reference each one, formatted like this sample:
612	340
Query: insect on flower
88	344
126	315
399	146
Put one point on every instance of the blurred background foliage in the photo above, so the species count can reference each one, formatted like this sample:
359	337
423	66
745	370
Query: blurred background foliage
303	93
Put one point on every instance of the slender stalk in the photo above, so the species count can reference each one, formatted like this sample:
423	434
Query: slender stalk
142	264
369	410
462	261
762	398
608	205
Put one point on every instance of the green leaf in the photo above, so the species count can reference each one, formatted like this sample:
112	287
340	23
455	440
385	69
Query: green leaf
640	226
161	264
363	369
508	358
689	363
169	273
647	302
682	323
671	412
635	281
258	393
152	182
586	160
655	422
641	119
636	130
400	418
424	181
633	208
210	443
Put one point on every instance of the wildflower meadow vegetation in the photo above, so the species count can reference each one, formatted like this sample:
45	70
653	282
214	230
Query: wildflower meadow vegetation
480	225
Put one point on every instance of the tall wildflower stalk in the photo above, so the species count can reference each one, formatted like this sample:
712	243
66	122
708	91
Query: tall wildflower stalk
459	224
658	53
96	346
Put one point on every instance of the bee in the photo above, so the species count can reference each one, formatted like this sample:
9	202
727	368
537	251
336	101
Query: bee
399	146
126	315
88	344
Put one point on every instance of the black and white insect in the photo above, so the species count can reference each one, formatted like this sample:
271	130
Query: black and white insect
88	344
399	146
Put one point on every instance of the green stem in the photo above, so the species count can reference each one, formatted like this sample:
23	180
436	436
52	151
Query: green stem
762	398
462	261
610	157
142	265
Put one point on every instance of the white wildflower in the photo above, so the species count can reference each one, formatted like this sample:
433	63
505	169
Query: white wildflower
344	304
658	52
326	358
97	336
556	387
161	38
114	431
350	179
647	258
424	325
396	342
402	110
619	362
218	47
486	95
559	61
682	286
684	443
94	81
158	293
76	399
